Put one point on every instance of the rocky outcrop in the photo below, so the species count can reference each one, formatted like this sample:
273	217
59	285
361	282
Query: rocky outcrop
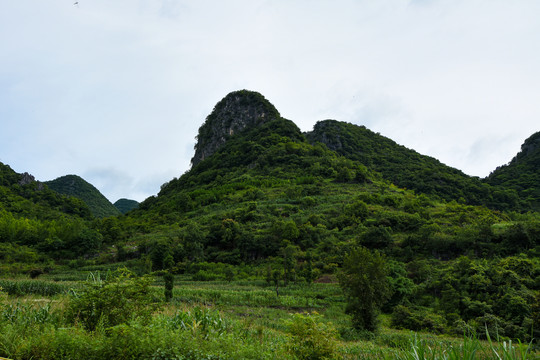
327	132
27	178
237	111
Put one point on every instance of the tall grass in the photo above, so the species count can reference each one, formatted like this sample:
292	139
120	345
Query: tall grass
292	297
250	324
33	287
471	348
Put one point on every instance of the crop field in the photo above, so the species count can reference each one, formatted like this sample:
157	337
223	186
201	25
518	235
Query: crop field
54	317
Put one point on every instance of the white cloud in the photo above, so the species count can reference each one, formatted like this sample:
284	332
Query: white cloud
124	85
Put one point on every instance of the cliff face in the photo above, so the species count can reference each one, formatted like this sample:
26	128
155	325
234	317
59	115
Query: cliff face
327	132
235	112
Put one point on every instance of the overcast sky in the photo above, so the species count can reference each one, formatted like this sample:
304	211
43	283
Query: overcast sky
115	90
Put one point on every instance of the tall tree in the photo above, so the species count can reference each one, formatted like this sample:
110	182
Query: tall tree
364	281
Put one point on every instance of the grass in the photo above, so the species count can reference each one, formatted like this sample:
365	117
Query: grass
215	320
35	287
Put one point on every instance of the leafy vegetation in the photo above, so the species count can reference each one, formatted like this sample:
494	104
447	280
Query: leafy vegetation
364	281
73	185
408	169
24	197
126	205
521	174
265	225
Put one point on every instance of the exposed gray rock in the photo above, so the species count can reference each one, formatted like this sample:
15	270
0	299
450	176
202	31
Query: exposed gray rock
27	178
234	113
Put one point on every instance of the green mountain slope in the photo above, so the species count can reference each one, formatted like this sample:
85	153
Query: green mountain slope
266	196
126	205
266	187
37	223
522	174
287	207
23	196
73	185
407	168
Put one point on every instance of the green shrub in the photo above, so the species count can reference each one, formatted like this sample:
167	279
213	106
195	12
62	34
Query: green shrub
3	297
404	317
116	300
311	338
203	275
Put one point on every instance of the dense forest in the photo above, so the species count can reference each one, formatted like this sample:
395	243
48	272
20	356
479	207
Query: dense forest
73	185
447	253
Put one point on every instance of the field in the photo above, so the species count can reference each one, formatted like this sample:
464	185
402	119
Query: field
54	317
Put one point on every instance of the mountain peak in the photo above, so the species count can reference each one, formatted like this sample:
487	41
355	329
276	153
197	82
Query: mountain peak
235	112
76	186
529	147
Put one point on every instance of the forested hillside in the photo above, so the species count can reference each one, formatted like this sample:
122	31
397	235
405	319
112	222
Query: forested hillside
125	205
23	196
522	174
265	202
37	223
73	185
408	169
267	194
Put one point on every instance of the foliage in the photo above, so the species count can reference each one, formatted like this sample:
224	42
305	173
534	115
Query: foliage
470	348
409	169
311	338
73	185
169	285
125	205
521	174
119	298
35	287
366	287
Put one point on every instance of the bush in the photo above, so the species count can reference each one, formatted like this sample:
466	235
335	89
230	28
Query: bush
203	275
416	319
311	338
114	301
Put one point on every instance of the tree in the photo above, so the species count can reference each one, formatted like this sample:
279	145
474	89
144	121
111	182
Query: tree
309	274
364	281
168	278
289	262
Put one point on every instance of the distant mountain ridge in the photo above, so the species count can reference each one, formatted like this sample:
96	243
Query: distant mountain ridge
73	185
244	110
126	205
407	168
248	114
23	196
